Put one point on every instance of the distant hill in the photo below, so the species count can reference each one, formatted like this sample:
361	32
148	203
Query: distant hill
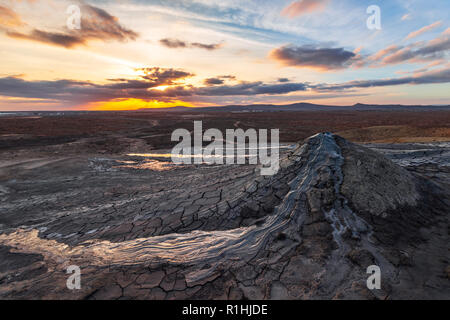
302	106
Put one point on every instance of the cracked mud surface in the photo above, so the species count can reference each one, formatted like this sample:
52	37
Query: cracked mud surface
226	232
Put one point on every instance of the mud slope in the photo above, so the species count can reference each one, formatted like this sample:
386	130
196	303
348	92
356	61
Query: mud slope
308	232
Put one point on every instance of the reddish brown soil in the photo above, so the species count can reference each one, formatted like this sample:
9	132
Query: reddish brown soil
155	127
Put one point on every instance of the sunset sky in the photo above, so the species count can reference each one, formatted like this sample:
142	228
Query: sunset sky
143	54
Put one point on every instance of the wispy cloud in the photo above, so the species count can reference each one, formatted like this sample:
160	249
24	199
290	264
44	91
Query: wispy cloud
54	38
434	49
298	8
423	30
406	16
429	77
8	18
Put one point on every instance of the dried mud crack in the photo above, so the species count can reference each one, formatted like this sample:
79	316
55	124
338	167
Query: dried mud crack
308	232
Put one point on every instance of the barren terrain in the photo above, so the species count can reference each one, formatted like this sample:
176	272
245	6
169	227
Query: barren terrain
143	228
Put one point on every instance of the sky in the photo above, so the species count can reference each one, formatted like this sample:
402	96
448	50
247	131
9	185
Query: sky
121	55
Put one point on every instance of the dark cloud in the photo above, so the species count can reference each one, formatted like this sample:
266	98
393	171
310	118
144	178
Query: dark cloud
17	87
313	57
213	81
283	80
176	43
83	92
96	24
241	89
250	88
173	43
218	80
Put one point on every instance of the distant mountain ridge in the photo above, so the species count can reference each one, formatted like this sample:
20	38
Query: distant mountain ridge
302	106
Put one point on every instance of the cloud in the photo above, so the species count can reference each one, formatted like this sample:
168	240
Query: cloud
163	76
72	93
313	57
406	16
17	87
96	24
59	39
213	46
241	89
418	52
429	66
213	81
175	43
435	76
382	53
151	78
250	88
229	77
423	30
301	7
76	92
218	80
8	18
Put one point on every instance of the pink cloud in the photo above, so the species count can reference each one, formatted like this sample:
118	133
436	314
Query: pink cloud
423	30
301	7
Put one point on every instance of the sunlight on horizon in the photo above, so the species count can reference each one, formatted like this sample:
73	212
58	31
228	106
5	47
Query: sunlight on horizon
134	104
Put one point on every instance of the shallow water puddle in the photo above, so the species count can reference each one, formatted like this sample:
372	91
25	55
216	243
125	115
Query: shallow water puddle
154	165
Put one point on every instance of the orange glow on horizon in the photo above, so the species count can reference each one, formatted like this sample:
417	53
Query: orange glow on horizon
134	104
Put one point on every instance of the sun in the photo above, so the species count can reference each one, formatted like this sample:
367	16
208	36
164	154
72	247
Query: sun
161	88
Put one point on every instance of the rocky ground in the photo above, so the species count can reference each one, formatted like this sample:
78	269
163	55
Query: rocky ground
142	228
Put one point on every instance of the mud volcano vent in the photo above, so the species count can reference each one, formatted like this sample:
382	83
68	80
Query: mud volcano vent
308	232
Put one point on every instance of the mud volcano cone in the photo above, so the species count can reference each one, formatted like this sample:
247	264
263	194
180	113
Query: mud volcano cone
346	208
